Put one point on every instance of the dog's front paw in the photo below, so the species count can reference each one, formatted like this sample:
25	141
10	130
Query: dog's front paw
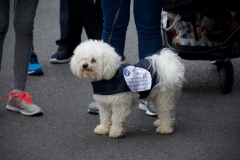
116	132
157	123
164	129
100	129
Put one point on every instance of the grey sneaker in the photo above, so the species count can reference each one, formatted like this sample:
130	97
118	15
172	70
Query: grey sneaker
151	110
92	108
148	107
143	105
22	103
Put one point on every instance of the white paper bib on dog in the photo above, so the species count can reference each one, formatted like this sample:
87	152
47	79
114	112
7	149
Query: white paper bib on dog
137	79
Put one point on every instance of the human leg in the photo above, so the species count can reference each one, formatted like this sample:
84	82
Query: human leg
70	26
70	32
98	7
110	9
4	19
147	15
86	12
24	14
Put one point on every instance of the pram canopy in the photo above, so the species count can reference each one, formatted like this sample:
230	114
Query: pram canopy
195	6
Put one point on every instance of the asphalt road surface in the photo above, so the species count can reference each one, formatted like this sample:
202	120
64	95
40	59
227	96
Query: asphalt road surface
207	121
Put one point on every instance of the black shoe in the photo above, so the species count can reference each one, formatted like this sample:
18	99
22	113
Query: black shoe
61	57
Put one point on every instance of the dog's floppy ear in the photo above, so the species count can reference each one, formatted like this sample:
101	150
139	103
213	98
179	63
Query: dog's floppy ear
111	63
74	63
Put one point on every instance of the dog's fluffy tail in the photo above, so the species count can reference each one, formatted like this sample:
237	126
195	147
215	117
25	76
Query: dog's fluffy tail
169	67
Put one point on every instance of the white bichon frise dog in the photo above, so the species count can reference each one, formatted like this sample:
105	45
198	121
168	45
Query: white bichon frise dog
117	87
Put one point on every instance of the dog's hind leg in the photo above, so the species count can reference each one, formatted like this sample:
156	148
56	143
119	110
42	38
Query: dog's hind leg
119	118
165	106
105	120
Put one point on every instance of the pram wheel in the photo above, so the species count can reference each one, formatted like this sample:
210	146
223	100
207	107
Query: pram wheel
226	76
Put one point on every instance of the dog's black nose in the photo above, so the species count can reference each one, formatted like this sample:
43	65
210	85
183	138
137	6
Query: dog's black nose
85	65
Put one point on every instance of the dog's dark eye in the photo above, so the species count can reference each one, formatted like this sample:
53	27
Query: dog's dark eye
93	60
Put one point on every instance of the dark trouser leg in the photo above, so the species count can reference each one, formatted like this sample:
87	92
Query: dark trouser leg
87	13
70	27
98	6
4	19
24	11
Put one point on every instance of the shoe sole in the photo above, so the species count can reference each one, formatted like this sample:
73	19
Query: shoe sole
54	60
96	112
150	113
35	72
15	109
214	62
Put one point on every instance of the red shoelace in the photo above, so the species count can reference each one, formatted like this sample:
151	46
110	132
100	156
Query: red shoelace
24	96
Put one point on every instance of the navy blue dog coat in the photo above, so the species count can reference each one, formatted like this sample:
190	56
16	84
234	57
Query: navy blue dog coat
118	84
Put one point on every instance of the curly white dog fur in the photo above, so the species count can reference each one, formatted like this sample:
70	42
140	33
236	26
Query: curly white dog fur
96	60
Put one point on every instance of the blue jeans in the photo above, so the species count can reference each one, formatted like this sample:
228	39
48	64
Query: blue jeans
147	15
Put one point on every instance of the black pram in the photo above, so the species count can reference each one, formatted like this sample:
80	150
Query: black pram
203	30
